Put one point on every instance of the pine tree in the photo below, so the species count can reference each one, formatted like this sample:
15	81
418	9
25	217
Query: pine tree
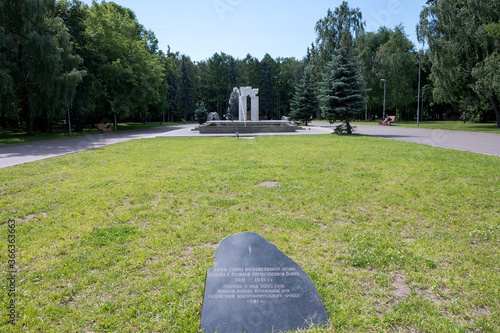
304	103
186	99
266	91
172	96
201	113
341	92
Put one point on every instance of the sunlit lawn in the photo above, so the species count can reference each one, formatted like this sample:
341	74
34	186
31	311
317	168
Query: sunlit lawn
118	239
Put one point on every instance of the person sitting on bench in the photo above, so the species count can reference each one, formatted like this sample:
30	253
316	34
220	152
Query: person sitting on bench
387	120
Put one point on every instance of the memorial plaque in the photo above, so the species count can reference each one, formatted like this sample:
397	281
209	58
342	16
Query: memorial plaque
256	288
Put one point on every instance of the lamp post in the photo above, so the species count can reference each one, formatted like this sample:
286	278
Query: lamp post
418	98
422	109
385	81
69	122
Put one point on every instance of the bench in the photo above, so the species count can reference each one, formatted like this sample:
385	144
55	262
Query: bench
103	128
392	119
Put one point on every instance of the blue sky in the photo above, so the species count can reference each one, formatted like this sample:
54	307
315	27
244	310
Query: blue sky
200	28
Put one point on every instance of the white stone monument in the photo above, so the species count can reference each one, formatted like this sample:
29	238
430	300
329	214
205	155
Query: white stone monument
244	93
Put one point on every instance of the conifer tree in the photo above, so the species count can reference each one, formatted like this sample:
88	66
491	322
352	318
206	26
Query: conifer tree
201	113
341	91
266	91
304	103
186	99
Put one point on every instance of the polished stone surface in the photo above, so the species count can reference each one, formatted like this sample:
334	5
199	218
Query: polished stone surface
256	288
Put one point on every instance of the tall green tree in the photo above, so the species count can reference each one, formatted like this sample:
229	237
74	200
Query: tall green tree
266	89
289	73
304	104
219	80
337	30
389	54
463	50
90	98
40	73
201	113
8	114
370	51
249	71
186	97
342	91
399	67
130	73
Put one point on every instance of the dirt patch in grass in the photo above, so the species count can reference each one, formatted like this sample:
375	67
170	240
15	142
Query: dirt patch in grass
481	311
430	296
400	290
214	246
341	223
269	184
30	217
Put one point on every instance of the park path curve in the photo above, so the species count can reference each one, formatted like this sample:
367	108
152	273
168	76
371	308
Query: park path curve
484	143
11	155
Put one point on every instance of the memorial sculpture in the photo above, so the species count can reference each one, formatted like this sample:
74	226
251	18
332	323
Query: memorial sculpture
246	124
254	99
256	288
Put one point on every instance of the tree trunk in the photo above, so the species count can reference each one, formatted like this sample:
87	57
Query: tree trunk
30	124
348	125
494	103
81	124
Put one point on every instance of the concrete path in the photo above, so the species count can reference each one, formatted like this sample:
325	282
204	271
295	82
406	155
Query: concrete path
484	143
27	152
11	155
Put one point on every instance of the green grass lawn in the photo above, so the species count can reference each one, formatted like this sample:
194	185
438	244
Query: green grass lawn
118	239
60	133
445	125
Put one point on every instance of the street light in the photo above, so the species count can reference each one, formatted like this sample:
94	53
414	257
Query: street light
418	98
383	114
422	109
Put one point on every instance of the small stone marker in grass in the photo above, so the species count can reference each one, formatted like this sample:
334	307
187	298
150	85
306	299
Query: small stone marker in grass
256	288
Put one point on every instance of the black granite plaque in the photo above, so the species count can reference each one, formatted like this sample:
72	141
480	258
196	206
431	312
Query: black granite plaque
256	288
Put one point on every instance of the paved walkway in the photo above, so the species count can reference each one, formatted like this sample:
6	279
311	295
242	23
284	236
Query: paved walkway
484	143
11	155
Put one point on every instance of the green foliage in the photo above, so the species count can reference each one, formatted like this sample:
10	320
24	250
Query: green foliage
131	74
304	104
185	97
461	39
487	76
39	67
341	90
266	92
337	30
370	51
219	80
288	73
389	54
201	113
400	70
